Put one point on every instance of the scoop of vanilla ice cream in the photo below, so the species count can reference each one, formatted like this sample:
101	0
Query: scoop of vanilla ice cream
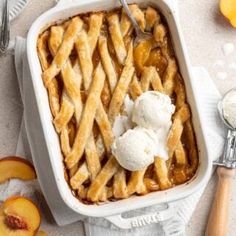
120	125
153	110
229	108
135	149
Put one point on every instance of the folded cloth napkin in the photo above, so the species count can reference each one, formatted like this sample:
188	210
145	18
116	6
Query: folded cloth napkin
208	99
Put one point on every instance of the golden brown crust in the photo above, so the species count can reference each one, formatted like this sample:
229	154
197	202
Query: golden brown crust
65	114
84	53
103	177
87	118
95	24
152	17
53	89
135	88
119	186
107	62
116	36
64	51
89	65
122	86
136	183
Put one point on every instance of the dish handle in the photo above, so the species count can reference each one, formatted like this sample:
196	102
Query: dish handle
173	4
68	2
146	219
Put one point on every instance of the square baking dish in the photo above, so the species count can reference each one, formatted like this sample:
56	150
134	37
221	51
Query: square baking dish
64	10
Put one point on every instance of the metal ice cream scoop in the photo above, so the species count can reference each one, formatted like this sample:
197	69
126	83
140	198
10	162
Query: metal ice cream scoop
140	35
218	218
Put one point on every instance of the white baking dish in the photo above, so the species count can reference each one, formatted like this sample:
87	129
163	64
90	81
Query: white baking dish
64	10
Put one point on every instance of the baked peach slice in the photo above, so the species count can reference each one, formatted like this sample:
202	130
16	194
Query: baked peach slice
16	167
19	217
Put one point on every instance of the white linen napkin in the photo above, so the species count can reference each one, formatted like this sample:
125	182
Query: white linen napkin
208	99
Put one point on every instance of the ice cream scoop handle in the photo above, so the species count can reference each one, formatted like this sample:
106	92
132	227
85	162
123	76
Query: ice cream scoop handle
218	218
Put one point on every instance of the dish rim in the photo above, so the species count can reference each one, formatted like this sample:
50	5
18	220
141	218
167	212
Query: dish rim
32	54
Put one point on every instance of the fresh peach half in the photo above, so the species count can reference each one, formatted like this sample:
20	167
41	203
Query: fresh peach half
228	9
19	217
16	167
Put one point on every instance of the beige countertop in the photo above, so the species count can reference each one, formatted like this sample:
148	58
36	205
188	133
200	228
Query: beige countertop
205	32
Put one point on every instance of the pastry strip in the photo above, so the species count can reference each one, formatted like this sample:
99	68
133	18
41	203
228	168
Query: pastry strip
135	88
84	52
182	115
125	23
193	153
92	157
151	76
65	142
159	33
116	36
119	186
169	76
151	184
65	114
106	94
122	86
53	88
95	23
179	91
156	81
103	177
72	83
162	173
55	39
81	175
179	170
171	70
100	147
87	118
152	17
136	182
64	51
107	62
42	50
104	196
104	127
180	155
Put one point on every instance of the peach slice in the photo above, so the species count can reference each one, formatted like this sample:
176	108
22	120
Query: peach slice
228	9
141	54
19	217
16	167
